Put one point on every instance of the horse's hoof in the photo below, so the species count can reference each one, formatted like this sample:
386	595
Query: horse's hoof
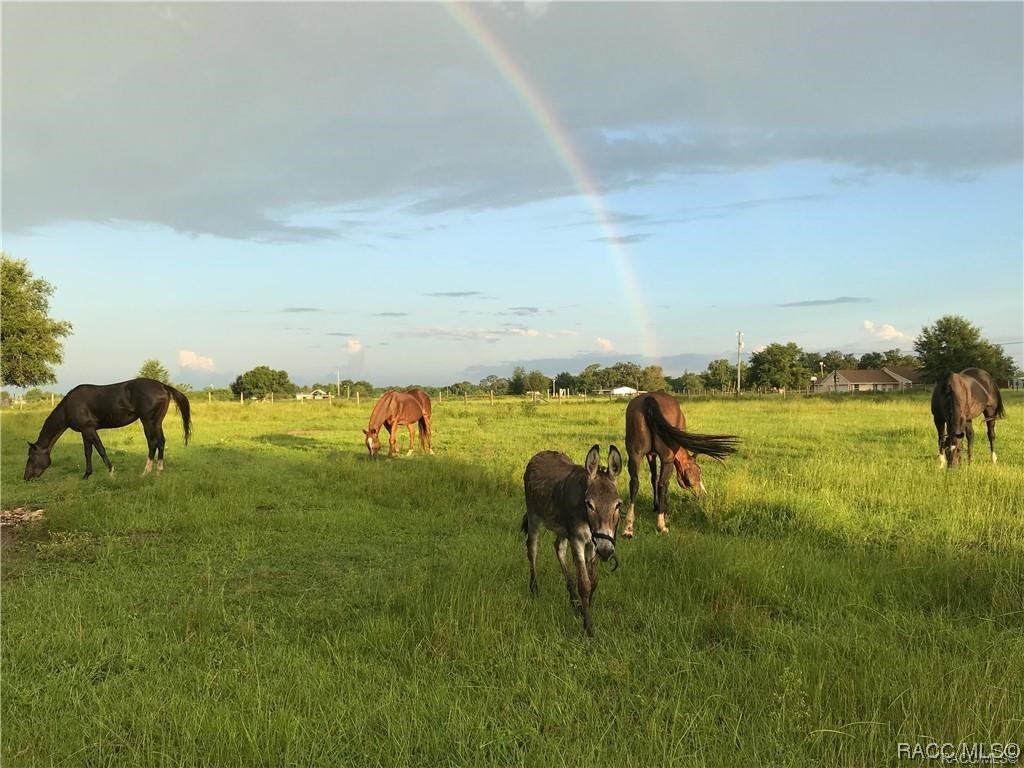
627	534
663	530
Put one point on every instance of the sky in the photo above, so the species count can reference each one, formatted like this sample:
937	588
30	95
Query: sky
435	192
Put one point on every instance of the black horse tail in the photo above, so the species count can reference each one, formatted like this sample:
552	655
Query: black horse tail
715	446
183	407
1000	411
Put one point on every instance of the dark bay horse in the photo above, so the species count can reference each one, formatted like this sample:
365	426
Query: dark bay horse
581	506
958	399
393	410
89	407
656	429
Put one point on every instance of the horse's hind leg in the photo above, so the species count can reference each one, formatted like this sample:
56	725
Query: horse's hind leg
662	494
940	427
426	443
155	441
88	457
409	427
970	441
634	486
990	426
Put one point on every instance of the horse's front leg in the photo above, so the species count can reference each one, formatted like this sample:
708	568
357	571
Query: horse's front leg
93	437
940	427
392	438
88	457
970	441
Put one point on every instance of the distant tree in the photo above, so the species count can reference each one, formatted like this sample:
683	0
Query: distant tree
871	361
952	344
517	384
688	382
836	360
495	384
898	358
590	378
154	369
623	375
261	381
652	379
29	339
537	381
779	365
565	380
720	374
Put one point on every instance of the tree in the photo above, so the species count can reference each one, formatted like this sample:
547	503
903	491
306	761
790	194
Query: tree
688	382
871	361
565	380
623	375
779	365
154	369
495	384
29	339
590	378
536	381
952	344
897	357
652	379
720	374
261	381
517	385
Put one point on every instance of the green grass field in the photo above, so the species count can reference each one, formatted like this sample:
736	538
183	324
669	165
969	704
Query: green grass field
276	599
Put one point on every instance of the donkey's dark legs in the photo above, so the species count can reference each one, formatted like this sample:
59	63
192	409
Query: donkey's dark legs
579	555
532	533
634	486
561	547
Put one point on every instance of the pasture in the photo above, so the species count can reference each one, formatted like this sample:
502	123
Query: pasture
276	599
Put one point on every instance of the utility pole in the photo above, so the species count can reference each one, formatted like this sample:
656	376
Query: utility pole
739	363
339	382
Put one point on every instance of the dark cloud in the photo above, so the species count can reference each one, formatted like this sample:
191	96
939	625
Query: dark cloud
268	140
523	310
623	239
828	302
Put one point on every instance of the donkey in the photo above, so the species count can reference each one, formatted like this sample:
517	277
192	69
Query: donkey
958	399
580	505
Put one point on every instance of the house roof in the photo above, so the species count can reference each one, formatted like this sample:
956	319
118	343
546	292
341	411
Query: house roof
865	376
908	372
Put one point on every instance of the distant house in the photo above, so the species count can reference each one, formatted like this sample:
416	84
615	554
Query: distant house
316	394
896	379
623	392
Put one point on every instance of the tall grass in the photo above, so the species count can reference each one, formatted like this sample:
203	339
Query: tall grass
276	599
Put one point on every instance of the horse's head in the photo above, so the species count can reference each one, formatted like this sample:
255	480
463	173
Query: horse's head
688	472
951	450
602	500
372	441
38	461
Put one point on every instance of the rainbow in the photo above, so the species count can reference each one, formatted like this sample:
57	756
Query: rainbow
544	114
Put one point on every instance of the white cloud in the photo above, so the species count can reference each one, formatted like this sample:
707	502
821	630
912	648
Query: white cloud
189	359
605	344
886	332
353	346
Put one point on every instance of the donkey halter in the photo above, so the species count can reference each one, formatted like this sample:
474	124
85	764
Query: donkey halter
598	535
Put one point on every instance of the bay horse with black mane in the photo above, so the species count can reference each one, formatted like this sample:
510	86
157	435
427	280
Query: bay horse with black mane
656	430
393	410
958	399
90	407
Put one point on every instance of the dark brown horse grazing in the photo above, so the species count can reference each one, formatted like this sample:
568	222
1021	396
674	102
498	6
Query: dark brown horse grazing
89	407
656	429
581	506
394	409
958	399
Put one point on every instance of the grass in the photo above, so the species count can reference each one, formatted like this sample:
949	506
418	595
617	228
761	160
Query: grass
275	599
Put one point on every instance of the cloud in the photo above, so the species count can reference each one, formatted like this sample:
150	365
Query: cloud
233	171
353	346
886	332
454	294
623	239
391	314
828	302
524	310
189	359
605	345
339	333
302	309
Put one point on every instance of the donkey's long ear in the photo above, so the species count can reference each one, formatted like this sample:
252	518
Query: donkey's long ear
614	462
593	460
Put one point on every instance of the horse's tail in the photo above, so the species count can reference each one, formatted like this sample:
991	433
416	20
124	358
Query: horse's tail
184	408
715	446
1000	411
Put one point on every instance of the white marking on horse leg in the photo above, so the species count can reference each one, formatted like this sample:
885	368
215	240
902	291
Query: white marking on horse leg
159	465
662	528
942	460
149	466
994	457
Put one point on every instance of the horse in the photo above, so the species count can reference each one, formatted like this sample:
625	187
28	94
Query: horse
392	410
581	506
958	399
656	429
89	407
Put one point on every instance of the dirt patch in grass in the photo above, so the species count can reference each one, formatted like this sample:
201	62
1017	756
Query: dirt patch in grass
10	519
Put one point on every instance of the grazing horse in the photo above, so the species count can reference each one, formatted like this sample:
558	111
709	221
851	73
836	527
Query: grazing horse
656	429
958	399
581	506
391	411
89	407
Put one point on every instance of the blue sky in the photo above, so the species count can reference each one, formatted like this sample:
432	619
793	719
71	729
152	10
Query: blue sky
224	186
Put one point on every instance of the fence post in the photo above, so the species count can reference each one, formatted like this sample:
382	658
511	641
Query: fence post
357	398
492	397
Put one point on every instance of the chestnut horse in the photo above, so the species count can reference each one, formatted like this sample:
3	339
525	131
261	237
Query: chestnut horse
391	411
656	429
89	407
958	399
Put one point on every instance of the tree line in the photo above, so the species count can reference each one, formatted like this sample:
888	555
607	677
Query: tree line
30	348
